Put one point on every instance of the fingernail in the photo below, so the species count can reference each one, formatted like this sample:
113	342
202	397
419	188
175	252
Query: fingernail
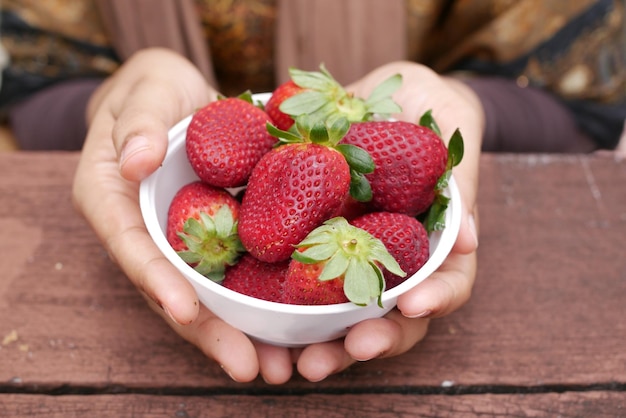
134	146
167	311
472	227
228	373
370	358
318	379
422	314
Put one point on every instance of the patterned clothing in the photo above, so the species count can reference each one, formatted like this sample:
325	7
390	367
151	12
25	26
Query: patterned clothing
51	40
574	49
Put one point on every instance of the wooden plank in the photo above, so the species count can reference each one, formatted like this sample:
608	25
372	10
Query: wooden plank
547	308
548	303
599	404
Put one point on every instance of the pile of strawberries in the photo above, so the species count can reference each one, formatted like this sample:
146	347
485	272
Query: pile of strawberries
315	197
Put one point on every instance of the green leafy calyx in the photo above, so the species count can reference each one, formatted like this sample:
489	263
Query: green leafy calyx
212	243
351	253
329	133
435	216
323	97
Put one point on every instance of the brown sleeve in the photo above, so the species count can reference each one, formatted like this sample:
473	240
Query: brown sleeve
53	118
526	119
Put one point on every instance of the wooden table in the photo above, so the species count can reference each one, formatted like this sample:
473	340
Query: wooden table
544	333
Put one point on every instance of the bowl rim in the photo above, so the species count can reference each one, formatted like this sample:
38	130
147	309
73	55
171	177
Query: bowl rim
147	191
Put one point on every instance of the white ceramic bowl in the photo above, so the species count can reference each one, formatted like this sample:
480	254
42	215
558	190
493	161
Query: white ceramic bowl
274	323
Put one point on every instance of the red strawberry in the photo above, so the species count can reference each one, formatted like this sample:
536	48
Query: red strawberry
280	94
404	237
225	139
305	288
409	161
338	262
292	190
202	228
256	278
297	186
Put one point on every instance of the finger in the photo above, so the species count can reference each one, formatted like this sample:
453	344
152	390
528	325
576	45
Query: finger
152	91
467	240
318	361
470	121
389	336
227	346
111	207
142	123
444	291
275	363
466	178
134	251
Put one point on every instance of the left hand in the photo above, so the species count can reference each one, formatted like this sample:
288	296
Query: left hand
454	106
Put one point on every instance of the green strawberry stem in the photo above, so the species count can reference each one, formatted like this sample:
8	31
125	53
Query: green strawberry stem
351	253
329	133
212	243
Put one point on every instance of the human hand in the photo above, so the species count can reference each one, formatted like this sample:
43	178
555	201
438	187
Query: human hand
128	118
453	106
